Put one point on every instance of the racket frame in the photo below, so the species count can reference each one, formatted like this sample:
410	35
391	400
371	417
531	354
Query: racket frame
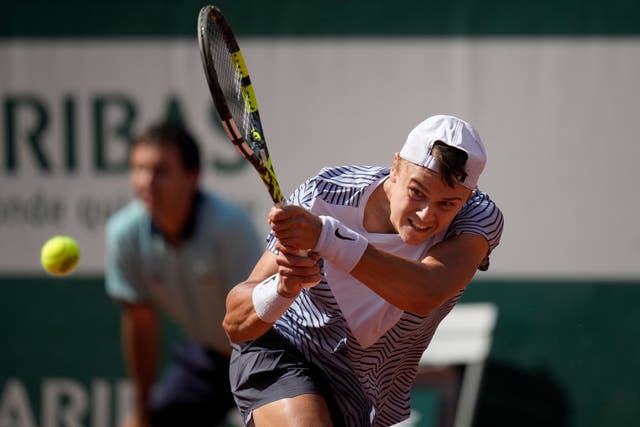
255	150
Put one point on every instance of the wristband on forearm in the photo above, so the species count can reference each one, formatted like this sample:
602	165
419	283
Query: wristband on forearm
267	302
340	244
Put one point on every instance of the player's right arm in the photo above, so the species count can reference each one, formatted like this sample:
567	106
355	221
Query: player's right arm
241	322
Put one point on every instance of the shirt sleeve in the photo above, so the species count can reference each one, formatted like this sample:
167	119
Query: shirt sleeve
122	279
480	216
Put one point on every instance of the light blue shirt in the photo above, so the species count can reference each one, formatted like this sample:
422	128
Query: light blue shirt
190	281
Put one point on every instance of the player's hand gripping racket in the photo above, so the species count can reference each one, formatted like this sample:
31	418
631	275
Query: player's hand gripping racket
233	95
230	86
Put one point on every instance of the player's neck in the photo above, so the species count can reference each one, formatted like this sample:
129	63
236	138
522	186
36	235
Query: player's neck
377	211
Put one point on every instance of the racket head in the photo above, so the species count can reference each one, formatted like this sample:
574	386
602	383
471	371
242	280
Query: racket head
233	95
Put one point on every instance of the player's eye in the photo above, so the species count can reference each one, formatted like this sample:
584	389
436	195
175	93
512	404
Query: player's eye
448	204
415	193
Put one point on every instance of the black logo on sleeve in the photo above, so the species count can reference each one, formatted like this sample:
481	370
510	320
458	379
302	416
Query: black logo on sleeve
340	236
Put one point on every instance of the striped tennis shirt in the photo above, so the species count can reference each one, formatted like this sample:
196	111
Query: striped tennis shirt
368	349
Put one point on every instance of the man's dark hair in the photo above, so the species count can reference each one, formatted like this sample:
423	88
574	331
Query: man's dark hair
172	133
451	162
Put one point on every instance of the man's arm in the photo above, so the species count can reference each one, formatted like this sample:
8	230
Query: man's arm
420	287
140	346
414	286
241	322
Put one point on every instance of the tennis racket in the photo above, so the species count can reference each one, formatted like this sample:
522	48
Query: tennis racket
233	95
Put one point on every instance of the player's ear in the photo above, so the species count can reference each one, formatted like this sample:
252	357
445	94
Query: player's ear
395	166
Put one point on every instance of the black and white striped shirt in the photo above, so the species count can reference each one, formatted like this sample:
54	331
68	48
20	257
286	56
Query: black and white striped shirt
371	378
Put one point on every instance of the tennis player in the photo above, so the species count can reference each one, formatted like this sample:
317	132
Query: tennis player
335	338
176	249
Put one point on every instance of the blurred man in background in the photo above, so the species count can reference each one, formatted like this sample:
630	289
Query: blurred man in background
178	250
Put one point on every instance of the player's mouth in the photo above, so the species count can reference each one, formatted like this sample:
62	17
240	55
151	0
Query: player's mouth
418	227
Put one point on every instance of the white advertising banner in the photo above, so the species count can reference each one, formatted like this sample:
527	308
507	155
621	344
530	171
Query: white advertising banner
559	118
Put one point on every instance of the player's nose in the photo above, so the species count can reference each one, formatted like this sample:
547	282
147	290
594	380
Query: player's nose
425	213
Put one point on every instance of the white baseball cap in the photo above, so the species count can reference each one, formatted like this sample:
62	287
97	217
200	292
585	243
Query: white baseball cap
453	132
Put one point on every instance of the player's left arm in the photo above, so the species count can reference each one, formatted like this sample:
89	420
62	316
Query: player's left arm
421	286
414	286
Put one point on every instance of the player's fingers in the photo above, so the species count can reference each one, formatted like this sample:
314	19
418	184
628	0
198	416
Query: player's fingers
305	226
287	245
311	281
300	264
295	247
285	230
297	260
290	281
281	228
278	213
297	272
291	215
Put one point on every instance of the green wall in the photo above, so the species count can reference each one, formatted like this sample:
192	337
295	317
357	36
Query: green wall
565	350
117	18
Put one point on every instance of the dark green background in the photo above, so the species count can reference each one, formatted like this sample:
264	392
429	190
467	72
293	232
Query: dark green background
572	346
120	18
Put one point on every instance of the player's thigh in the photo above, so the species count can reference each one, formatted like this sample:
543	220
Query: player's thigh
269	370
305	410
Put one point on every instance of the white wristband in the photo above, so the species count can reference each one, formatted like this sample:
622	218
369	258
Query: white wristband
339	244
267	302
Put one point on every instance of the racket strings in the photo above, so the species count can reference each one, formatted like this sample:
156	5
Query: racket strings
230	81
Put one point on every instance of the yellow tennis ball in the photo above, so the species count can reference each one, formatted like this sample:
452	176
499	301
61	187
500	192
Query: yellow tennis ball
60	255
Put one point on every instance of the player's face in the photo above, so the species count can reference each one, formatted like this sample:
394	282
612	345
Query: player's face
159	180
421	204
